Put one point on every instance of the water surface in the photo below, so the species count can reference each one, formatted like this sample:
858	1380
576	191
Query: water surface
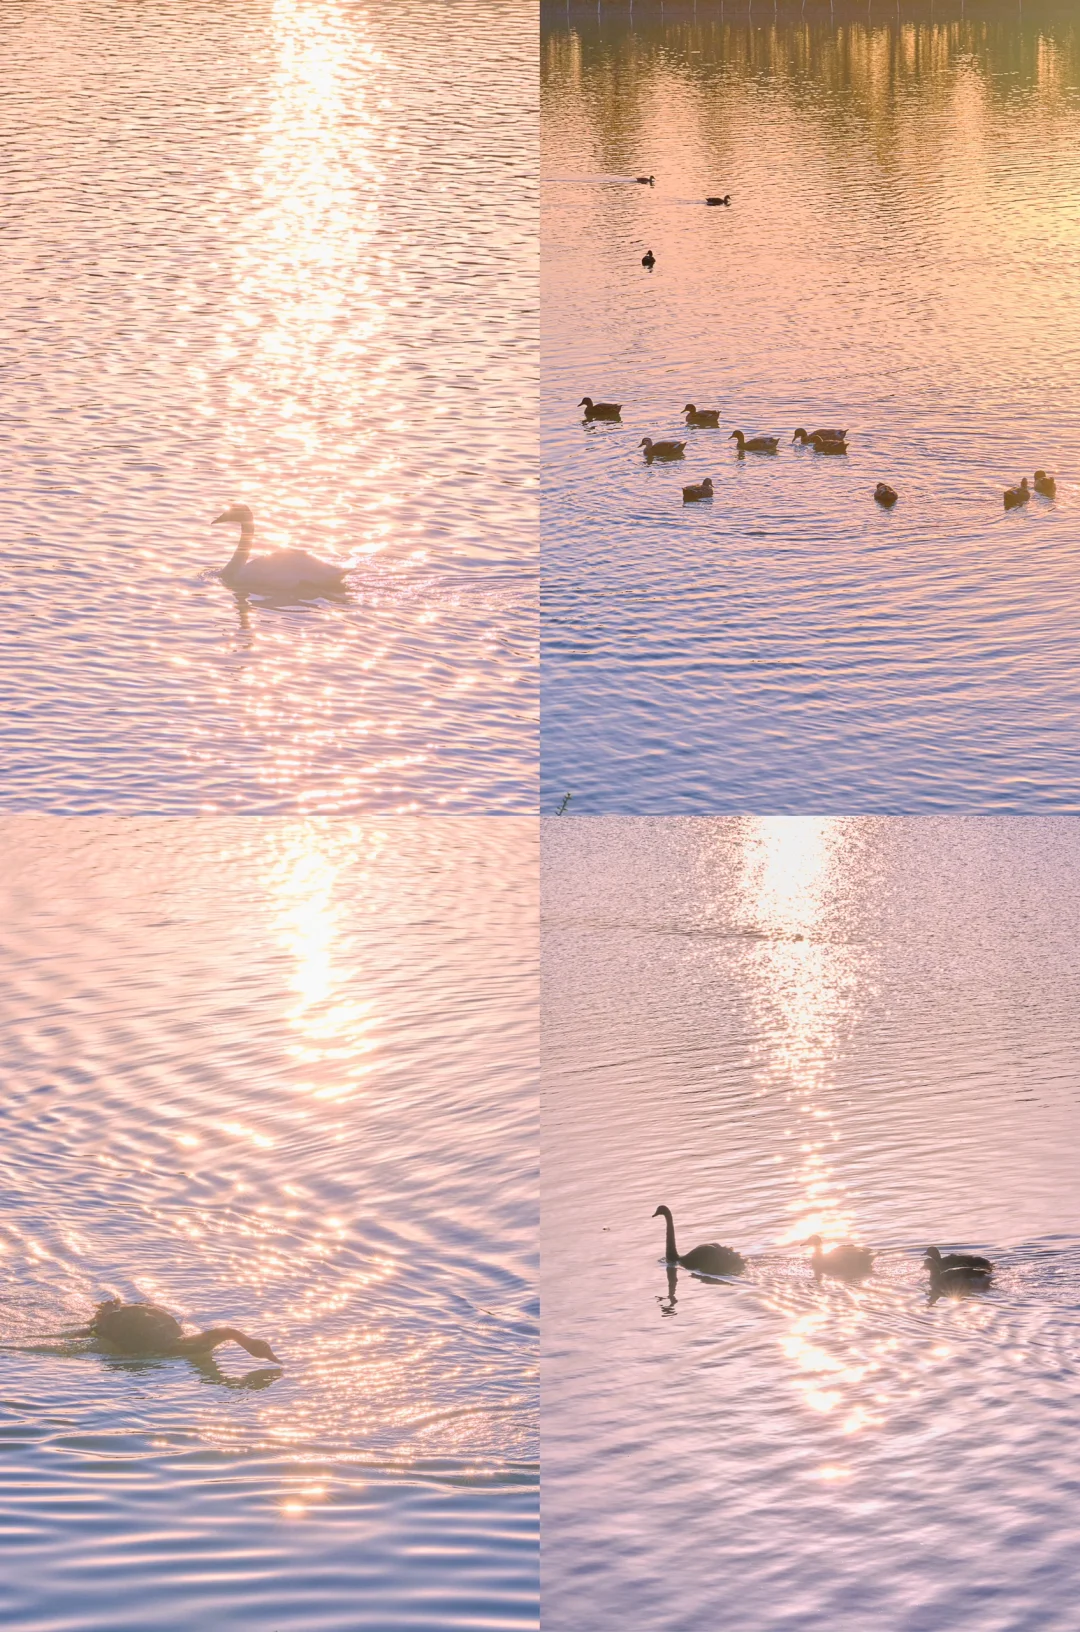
280	253
278	1075
861	1027
900	258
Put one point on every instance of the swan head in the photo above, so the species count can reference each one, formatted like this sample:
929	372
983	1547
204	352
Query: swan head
662	1212
813	1241
239	514
261	1350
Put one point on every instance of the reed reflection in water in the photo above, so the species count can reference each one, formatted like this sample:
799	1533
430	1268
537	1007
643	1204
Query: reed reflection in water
900	258
863	1028
276	1075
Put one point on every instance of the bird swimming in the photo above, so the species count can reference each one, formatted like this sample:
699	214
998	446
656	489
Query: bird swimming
143	1328
1015	496
828	444
935	1260
646	181
661	450
710	1259
829	435
703	490
886	495
648	259
957	1273
279	572
846	1262
600	410
755	444
1045	485
702	416
725	200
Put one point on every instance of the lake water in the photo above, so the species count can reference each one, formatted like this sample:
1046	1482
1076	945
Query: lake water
860	1027
281	253
900	258
277	1074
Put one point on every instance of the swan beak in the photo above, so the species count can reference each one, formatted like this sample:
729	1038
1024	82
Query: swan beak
223	517
275	1359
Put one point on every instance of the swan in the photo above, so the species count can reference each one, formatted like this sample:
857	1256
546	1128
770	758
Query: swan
1045	485
143	1328
710	1259
755	444
936	1261
661	450
1017	495
600	410
702	416
886	495
702	490
280	572
648	259
847	1261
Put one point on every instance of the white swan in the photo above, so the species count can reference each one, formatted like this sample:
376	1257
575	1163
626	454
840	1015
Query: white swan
280	572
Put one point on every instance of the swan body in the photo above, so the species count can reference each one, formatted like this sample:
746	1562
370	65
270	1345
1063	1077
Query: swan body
648	259
886	495
1015	496
827	435
755	444
936	1261
846	1262
702	416
143	1328
600	410
703	490
661	450
710	1259
281	572
1045	485
725	200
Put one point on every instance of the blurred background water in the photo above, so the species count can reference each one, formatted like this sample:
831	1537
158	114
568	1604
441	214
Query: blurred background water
283	253
900	258
280	1075
862	1027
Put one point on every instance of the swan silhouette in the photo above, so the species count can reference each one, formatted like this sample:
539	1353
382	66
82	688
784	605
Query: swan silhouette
143	1328
279	572
710	1259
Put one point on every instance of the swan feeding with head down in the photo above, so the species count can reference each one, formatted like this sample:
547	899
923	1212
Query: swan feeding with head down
281	572
143	1328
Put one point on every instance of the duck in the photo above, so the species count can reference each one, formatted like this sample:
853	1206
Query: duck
600	410
1046	485
846	1262
957	1281
804	436
144	1328
709	417
703	490
886	495
646	181
710	1259
280	572
725	200
1017	495
648	259
755	444
828	444
661	450
936	1261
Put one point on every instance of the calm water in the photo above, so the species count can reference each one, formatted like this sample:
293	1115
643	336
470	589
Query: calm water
283	252
281	1075
901	258
862	1027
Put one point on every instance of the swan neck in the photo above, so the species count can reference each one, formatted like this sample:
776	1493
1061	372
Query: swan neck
671	1252
204	1342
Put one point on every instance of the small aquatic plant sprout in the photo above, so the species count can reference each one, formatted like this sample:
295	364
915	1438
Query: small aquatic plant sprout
845	1262
288	572
710	1259
886	495
705	417
1015	496
661	450
600	410
144	1328
702	490
1045	485
648	259
755	444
